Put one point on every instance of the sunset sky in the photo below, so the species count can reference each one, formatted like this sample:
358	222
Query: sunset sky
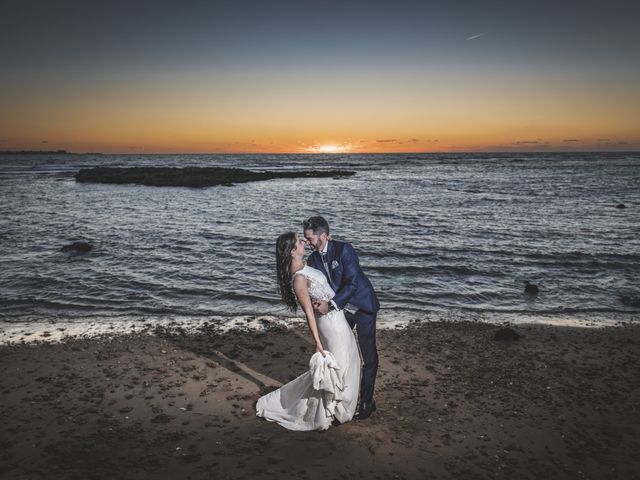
319	76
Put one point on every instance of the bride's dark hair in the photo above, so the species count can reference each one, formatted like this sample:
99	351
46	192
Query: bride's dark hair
284	245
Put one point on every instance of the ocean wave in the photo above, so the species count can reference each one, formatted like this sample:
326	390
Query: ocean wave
438	269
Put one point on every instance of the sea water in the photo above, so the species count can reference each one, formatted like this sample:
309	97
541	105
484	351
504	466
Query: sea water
435	233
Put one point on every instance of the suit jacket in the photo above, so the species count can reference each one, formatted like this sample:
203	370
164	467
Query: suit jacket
346	277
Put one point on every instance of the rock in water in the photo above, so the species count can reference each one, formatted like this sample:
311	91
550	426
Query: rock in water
506	335
531	289
80	247
196	177
621	205
630	301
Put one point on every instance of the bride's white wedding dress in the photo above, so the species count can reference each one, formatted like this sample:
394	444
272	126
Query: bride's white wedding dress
298	405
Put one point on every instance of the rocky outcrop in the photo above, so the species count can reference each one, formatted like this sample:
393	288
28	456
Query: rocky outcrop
192	176
506	335
531	289
79	247
630	301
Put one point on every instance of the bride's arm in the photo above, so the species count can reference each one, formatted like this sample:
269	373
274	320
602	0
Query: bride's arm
301	290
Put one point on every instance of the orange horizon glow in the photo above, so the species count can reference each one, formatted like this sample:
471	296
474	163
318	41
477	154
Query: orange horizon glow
191	142
338	113
453	143
168	140
621	146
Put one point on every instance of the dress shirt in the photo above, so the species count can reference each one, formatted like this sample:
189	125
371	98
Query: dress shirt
348	307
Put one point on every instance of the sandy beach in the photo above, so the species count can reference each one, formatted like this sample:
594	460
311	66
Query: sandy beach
453	402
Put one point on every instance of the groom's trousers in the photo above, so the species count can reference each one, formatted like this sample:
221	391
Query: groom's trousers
365	324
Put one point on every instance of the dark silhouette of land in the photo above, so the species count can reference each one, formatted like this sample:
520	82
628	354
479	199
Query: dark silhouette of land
33	152
192	176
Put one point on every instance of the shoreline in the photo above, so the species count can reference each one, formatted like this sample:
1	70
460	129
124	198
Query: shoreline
560	402
56	330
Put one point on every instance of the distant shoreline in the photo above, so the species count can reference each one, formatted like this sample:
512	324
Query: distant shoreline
32	152
51	152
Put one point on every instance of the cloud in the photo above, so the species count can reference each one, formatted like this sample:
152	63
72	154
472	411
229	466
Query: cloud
473	37
530	142
523	146
44	141
570	140
391	140
611	143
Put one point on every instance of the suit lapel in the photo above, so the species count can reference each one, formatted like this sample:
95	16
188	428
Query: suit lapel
329	258
331	250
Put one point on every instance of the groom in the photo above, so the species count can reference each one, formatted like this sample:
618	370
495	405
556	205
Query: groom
354	294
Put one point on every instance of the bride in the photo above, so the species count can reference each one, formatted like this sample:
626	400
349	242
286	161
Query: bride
329	390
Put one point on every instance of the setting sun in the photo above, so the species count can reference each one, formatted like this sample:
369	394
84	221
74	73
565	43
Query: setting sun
330	148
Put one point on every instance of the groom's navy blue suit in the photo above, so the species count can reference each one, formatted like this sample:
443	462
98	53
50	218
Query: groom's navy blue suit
353	290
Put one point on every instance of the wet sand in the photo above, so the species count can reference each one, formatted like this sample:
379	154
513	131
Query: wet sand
452	403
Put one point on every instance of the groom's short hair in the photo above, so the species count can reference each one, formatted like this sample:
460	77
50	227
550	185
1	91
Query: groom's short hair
317	224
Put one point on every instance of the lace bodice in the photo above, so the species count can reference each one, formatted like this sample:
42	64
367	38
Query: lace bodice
319	288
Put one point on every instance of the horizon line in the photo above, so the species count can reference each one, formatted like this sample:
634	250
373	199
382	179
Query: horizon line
68	152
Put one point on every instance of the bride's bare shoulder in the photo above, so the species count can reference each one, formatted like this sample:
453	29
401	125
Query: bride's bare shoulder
300	276
300	284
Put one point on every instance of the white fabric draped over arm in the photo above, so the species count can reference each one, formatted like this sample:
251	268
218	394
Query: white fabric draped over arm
327	377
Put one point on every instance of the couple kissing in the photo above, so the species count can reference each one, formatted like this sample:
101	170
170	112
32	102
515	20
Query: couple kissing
336	297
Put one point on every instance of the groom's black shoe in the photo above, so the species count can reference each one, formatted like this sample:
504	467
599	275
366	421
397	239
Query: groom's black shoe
365	409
